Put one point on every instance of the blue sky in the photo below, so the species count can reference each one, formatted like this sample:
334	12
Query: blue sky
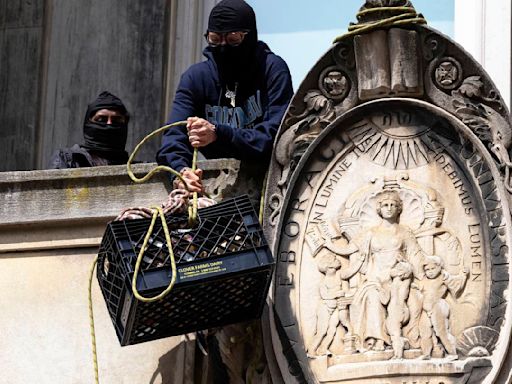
301	31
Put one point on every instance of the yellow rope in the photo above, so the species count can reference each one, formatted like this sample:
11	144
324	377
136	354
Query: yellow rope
262	198
157	211
192	214
193	211
91	323
409	17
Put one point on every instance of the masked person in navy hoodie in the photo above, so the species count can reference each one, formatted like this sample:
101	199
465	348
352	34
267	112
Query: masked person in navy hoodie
233	102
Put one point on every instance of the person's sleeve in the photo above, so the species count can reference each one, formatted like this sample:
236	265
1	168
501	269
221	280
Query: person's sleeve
176	150
57	161
256	143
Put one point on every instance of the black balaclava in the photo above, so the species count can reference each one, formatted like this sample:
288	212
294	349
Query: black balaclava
107	139
235	64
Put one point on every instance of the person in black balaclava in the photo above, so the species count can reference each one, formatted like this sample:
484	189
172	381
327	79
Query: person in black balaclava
233	102
234	21
105	133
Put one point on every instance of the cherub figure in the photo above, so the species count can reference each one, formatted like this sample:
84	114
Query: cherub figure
328	314
398	312
434	321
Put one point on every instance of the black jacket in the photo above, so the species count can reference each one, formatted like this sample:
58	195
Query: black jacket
78	157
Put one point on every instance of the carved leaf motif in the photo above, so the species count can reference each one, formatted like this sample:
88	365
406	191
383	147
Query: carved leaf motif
471	87
315	100
470	110
470	106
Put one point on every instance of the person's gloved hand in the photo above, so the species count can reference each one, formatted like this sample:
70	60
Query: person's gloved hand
200	132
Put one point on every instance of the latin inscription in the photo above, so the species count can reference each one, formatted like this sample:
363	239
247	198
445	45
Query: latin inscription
481	230
476	252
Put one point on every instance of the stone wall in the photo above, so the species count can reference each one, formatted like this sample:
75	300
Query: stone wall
51	224
56	56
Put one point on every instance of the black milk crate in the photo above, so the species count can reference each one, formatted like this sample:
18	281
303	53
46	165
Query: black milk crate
224	271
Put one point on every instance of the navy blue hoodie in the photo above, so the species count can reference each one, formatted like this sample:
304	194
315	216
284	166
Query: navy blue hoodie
245	132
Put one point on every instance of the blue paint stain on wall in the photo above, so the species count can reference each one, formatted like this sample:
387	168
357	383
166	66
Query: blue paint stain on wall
301	31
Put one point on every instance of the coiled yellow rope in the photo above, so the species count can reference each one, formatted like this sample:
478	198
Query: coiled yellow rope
159	168
409	16
157	211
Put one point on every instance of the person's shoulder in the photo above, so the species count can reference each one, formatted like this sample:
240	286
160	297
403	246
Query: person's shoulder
202	67
196	70
198	67
65	157
197	73
276	62
270	57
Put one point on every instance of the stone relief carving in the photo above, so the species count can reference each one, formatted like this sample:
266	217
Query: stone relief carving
334	83
394	67
389	254
403	274
481	111
305	127
382	285
329	95
477	341
318	114
434	322
333	308
448	74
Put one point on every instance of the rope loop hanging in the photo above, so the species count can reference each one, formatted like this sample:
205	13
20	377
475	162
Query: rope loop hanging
192	212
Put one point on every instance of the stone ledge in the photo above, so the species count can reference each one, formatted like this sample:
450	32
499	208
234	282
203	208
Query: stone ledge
52	209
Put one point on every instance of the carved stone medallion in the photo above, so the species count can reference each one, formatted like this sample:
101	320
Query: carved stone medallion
388	212
334	83
448	73
390	245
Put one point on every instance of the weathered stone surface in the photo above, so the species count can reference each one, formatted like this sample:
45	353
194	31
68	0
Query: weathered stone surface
69	208
100	192
389	214
45	310
56	56
21	37
51	223
388	64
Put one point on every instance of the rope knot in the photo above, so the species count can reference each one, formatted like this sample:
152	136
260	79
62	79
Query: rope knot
376	14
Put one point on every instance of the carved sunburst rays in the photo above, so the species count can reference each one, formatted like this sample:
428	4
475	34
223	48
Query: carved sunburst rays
392	146
477	341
